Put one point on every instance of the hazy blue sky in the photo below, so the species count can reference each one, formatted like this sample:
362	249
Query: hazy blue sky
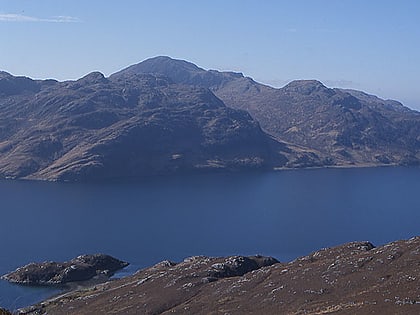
368	45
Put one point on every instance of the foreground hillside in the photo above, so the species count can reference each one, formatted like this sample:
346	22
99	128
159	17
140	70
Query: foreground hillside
347	127
354	278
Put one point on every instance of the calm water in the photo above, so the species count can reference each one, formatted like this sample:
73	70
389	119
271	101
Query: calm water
283	214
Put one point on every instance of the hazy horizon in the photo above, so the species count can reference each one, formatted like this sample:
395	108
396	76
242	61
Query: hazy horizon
369	46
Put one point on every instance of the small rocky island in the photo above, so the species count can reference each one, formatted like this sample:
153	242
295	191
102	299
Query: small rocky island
81	268
354	278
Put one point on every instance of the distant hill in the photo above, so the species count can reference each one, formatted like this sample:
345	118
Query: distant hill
139	125
346	127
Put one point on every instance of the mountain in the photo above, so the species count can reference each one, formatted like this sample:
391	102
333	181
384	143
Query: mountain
354	278
139	125
181	71
346	127
163	116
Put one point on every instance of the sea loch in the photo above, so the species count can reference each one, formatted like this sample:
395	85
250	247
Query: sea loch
283	214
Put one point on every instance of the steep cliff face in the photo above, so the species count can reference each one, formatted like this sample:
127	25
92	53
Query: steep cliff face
347	127
139	125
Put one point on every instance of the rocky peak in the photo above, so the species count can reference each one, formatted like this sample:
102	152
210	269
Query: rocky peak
306	87
165	61
180	71
173	68
93	78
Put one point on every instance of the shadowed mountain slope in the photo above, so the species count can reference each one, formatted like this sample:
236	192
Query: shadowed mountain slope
138	125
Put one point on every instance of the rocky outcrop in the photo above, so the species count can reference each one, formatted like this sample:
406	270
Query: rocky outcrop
81	268
354	278
239	265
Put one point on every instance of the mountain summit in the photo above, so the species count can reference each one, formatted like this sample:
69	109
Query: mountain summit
181	72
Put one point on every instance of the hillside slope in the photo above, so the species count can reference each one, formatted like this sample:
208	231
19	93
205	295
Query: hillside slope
354	278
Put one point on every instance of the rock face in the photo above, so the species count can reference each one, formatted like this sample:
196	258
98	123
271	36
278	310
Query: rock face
142	124
80	268
346	127
354	278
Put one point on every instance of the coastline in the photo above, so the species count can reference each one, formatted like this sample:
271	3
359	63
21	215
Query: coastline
319	279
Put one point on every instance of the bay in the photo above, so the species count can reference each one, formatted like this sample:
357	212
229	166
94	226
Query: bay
284	214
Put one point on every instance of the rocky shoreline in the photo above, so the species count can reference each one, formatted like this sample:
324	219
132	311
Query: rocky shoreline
81	268
354	278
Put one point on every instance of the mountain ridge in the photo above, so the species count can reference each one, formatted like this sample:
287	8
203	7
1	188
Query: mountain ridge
350	127
163	116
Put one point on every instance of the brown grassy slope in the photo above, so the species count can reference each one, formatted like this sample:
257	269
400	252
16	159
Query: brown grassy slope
353	278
